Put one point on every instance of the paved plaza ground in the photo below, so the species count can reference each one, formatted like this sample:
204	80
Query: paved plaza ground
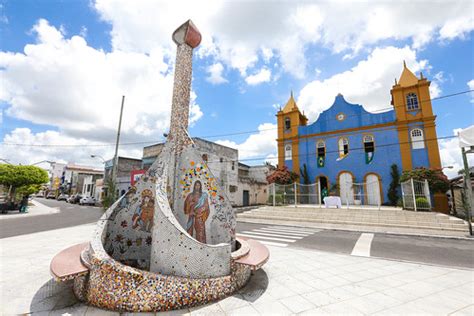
294	281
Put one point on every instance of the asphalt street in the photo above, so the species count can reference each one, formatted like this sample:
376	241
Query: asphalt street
431	250
69	215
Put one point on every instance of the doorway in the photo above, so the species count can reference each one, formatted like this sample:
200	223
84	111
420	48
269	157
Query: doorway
246	198
373	189
323	187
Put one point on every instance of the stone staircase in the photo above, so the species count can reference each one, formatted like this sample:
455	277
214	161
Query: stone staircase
386	220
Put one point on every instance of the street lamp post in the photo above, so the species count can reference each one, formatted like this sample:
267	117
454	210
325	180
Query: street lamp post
100	157
467	185
37	163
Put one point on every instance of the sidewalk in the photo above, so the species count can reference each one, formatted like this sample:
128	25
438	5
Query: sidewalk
33	210
294	281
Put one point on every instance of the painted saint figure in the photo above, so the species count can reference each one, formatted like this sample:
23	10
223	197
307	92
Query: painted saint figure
143	216
196	206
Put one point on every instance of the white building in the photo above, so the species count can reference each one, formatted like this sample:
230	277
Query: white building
243	185
252	185
80	179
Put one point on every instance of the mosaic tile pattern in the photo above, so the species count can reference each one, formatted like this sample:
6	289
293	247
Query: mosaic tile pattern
184	238
118	287
181	97
81	286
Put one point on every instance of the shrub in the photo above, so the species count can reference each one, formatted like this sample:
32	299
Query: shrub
422	202
393	189
282	176
400	203
437	180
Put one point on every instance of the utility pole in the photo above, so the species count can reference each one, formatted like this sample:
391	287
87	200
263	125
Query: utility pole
467	188
115	166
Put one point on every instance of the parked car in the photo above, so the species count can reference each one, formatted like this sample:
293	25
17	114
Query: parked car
75	198
51	195
87	200
62	197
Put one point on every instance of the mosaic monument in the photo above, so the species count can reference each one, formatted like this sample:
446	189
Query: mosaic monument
170	241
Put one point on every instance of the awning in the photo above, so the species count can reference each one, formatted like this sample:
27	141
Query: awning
466	137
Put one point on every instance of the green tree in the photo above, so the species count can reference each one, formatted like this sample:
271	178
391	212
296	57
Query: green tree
306	180
28	189
111	195
22	178
393	188
437	180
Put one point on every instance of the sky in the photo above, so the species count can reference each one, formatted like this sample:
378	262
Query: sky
65	65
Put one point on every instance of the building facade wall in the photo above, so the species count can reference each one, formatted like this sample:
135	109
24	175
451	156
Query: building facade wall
391	131
221	160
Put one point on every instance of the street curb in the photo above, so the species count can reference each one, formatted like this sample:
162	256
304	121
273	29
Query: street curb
44	211
382	258
357	230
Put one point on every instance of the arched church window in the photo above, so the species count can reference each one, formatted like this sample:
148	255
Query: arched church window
369	148
288	152
287	123
412	102
321	151
343	147
417	140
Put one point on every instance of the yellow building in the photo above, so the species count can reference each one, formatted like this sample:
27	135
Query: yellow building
347	144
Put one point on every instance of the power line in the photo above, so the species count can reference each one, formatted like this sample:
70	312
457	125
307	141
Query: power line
337	151
381	110
221	135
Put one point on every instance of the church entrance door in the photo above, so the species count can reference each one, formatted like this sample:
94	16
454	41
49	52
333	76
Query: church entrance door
373	189
346	189
323	187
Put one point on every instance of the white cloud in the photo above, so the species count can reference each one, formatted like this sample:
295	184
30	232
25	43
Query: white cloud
470	84
259	145
262	76
68	84
58	147
457	27
240	34
450	153
367	83
215	74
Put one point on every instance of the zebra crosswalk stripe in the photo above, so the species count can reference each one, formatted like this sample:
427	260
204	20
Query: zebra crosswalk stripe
271	234
277	231
293	229
283	236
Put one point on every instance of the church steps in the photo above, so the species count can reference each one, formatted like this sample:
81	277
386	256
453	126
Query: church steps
368	222
357	223
395	219
407	215
378	217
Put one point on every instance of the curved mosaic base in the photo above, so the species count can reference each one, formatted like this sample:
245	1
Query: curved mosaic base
114	286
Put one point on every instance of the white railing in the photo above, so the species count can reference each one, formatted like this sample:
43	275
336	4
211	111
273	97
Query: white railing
352	194
416	195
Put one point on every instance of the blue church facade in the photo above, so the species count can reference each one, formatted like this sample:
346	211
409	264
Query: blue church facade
348	145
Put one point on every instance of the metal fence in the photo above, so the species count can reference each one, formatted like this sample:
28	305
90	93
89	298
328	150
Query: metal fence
351	194
416	195
361	194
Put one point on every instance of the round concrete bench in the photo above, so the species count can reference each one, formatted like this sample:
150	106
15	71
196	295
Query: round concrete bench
256	257
67	264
